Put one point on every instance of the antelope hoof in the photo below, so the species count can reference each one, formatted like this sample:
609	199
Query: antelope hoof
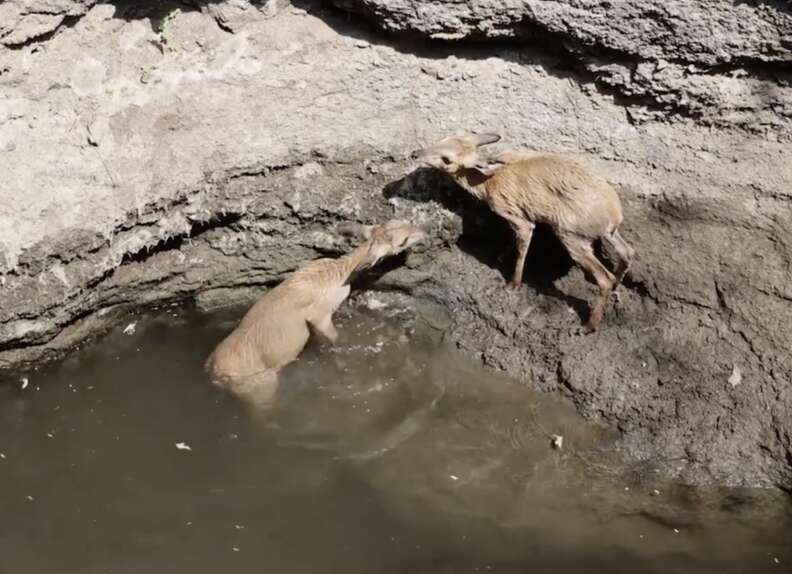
340	364
513	285
324	339
590	326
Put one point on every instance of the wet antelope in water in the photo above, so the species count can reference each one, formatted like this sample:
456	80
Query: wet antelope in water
276	329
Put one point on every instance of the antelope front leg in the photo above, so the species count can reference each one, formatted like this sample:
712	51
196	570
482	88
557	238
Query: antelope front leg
324	329
321	318
523	231
326	333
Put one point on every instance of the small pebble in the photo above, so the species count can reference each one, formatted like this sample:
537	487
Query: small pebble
676	531
182	446
25	382
235	549
736	376
453	477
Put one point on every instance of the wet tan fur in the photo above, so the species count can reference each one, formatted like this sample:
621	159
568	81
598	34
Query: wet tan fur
276	329
526	188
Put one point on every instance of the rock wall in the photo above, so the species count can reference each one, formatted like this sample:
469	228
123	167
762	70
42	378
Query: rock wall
154	152
723	63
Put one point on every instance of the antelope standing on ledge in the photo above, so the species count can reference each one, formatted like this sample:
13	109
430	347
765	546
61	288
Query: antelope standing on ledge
276	329
526	188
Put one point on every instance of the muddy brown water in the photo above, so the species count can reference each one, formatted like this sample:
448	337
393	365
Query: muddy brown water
389	453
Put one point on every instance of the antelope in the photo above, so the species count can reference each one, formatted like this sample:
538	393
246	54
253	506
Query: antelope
276	329
527	188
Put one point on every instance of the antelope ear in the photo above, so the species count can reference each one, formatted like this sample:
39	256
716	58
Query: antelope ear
395	223
355	230
376	252
485	139
366	231
487	166
470	159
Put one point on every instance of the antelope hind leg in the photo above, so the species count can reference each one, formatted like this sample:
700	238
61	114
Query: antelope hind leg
257	391
625	252
582	251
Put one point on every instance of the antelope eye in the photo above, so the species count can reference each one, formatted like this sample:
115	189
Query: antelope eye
446	159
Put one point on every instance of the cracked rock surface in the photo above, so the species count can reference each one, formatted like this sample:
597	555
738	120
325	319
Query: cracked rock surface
205	157
719	61
29	20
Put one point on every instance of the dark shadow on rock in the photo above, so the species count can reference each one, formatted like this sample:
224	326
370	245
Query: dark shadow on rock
489	239
158	11
561	55
536	46
366	279
155	10
780	5
673	209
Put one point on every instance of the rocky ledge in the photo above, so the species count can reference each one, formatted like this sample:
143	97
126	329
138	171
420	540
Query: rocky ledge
155	152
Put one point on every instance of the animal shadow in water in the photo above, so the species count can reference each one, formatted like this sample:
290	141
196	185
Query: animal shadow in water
488	237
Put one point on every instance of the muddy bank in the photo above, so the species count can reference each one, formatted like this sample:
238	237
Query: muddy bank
153	156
